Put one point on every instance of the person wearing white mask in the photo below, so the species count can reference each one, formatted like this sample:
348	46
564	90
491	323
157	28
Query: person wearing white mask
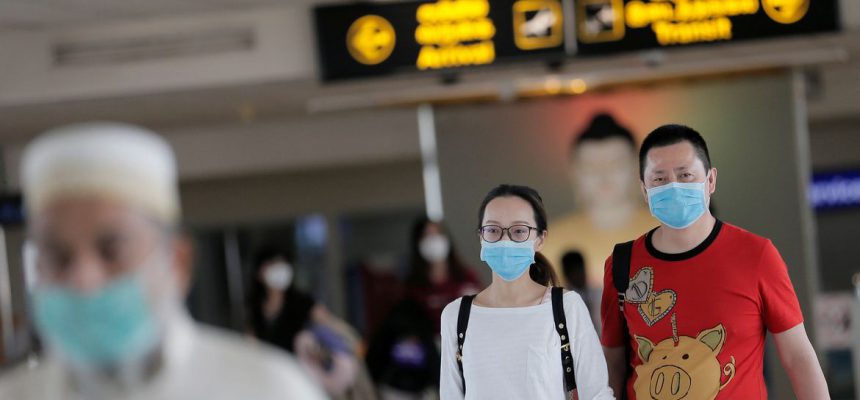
112	271
437	275
283	315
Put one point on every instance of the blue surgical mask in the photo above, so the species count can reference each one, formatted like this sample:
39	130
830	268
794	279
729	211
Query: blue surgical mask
678	205
507	258
113	325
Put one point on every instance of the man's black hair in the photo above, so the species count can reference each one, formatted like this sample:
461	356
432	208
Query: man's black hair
668	135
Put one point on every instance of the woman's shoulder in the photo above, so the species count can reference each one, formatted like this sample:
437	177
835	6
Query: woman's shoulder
572	300
453	308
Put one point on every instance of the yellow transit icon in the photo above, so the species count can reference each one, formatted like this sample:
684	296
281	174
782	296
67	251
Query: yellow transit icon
785	11
370	39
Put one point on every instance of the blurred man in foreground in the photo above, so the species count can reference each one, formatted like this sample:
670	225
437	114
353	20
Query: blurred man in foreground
103	209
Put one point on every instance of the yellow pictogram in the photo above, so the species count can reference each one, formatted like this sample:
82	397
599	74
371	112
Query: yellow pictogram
538	24
370	39
785	11
600	20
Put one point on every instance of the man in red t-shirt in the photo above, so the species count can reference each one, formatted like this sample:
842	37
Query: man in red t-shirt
701	293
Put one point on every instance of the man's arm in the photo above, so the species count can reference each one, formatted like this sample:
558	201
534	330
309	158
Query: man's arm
616	363
799	360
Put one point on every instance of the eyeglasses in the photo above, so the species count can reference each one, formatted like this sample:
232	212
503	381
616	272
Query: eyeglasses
494	233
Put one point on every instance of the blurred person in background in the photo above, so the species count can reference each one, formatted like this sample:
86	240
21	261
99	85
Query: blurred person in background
602	169
283	315
576	278
103	211
526	338
437	275
403	357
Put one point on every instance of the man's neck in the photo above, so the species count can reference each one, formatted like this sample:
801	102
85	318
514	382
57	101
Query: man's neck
119	379
676	241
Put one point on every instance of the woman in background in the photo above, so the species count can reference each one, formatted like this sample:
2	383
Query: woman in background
403	356
286	317
437	276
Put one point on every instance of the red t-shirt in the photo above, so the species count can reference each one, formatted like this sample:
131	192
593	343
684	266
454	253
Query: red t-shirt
697	320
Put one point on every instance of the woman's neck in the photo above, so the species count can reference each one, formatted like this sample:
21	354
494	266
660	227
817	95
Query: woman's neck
273	304
522	292
438	273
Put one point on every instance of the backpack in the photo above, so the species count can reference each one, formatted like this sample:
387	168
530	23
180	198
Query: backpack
621	278
560	327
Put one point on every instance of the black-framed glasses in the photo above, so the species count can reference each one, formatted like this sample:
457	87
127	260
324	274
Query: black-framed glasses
517	233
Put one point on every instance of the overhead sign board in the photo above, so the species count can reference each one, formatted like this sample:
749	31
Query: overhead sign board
371	39
610	26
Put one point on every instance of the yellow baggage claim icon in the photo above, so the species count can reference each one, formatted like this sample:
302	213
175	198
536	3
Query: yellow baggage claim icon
785	11
370	39
538	24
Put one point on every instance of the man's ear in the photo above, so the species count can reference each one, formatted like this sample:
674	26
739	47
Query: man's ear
183	262
643	191
712	181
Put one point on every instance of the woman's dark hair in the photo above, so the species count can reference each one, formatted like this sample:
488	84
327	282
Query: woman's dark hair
419	272
542	270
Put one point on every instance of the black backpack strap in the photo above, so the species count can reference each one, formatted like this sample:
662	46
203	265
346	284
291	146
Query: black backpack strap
621	278
621	270
462	324
561	328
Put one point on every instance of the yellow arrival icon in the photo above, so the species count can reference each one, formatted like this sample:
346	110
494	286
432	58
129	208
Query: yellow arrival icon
370	39
785	11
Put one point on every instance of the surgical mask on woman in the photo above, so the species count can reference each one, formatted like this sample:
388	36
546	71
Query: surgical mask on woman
434	248
278	276
507	258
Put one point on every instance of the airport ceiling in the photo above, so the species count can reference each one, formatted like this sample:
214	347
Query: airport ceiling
46	14
264	100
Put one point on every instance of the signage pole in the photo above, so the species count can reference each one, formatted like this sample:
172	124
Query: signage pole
432	181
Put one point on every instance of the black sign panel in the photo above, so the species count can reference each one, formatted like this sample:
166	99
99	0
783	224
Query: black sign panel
369	39
610	26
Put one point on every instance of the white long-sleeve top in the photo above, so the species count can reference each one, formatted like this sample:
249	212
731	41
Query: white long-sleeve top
515	353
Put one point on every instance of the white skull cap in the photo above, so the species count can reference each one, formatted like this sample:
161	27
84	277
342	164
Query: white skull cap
126	163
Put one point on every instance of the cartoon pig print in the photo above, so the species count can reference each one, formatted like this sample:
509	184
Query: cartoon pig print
688	370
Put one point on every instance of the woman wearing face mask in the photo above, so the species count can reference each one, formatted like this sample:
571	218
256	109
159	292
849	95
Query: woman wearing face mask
519	338
286	317
437	276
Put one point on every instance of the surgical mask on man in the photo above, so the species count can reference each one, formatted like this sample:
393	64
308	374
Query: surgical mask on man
434	248
278	276
678	205
106	328
507	258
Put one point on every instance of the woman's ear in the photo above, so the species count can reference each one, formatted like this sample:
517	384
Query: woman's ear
540	240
